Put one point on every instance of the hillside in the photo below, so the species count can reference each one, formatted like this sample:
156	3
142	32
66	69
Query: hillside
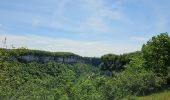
41	75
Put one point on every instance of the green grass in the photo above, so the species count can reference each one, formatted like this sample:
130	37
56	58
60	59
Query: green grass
165	95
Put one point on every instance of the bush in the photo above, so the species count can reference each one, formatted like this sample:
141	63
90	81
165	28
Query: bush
134	82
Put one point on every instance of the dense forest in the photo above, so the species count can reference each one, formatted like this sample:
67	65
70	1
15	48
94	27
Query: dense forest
67	76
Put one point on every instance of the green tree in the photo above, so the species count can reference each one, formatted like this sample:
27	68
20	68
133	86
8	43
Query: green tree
110	62
156	54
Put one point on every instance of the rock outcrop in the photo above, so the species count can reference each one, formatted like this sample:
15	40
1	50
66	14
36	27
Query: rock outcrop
26	55
69	59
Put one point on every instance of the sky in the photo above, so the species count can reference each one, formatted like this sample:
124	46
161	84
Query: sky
85	27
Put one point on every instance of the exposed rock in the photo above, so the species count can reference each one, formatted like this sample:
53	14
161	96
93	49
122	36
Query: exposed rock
26	55
29	58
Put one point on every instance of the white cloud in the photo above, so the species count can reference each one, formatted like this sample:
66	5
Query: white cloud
83	48
94	24
99	14
79	16
92	16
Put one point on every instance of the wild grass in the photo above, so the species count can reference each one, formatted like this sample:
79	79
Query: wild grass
165	95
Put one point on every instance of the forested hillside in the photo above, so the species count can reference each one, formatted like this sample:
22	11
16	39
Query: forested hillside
40	75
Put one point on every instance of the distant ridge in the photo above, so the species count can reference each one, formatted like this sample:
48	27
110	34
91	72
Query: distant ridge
28	55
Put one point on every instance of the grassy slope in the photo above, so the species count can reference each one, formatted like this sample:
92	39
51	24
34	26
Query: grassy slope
165	95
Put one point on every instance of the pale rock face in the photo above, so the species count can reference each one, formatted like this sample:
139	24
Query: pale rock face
70	60
49	59
29	58
45	58
60	59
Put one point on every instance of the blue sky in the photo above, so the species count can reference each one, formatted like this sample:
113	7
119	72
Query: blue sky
85	27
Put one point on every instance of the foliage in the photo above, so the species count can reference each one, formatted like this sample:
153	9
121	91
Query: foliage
114	62
33	80
134	82
108	62
78	81
156	54
133	74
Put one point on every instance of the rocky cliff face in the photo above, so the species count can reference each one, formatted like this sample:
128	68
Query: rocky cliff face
27	55
62	59
29	58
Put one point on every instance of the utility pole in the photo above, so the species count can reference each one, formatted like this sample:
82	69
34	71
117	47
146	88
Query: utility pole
5	43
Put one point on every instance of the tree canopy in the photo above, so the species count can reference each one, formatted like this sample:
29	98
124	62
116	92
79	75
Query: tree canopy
132	74
156	54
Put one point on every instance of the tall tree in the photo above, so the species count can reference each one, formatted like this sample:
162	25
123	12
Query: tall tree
156	54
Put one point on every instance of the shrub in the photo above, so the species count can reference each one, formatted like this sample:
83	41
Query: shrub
134	82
